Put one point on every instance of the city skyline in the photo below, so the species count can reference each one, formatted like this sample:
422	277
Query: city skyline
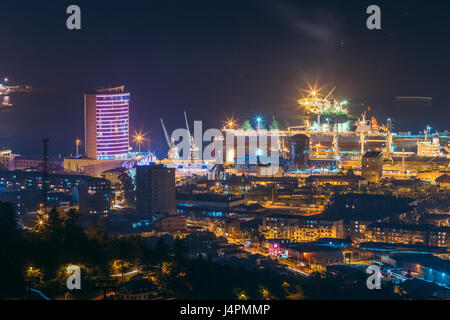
255	60
215	157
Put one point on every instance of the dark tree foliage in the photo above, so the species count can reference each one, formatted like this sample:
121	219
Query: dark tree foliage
349	287
64	242
366	206
127	188
55	224
179	251
210	280
147	260
161	250
11	260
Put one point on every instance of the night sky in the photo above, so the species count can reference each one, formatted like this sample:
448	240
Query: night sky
218	58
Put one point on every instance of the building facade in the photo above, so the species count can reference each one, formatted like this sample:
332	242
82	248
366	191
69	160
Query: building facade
372	166
427	235
106	114
155	190
301	228
92	194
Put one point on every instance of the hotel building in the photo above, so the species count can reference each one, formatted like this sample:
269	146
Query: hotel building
106	114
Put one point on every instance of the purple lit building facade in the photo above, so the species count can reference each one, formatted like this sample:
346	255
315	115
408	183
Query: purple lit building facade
107	123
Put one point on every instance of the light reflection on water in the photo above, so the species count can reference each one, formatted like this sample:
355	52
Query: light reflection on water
35	116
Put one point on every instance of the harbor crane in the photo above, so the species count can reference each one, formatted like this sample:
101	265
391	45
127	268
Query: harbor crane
173	150
193	148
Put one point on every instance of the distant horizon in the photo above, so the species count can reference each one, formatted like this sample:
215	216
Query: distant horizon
217	60
35	151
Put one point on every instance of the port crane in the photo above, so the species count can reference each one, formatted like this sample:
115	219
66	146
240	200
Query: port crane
193	148
388	151
173	150
173	153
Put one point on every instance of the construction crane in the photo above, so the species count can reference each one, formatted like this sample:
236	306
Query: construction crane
173	150
193	148
330	93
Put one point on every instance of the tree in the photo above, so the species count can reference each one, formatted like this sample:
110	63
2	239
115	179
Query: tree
161	250
180	251
11	266
127	188
247	125
274	125
8	222
96	231
54	223
147	260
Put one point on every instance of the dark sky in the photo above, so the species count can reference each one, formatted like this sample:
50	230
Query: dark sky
218	58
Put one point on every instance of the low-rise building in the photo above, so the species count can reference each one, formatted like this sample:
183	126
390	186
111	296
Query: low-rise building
92	194
315	254
301	228
443	181
12	162
372	166
209	201
341	180
428	235
171	223
136	290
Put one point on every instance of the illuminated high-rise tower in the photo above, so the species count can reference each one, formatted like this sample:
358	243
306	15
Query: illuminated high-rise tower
107	125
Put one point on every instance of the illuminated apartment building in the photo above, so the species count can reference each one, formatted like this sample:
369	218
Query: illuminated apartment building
408	234
301	228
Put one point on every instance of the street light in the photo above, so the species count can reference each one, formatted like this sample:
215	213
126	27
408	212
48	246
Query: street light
258	120
230	123
139	138
77	145
40	224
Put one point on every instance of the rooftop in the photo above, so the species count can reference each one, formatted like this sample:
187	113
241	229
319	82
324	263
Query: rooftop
443	179
298	217
373	154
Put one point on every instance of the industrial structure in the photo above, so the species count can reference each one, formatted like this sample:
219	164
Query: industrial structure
334	141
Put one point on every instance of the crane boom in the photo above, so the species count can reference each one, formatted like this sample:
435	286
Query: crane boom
187	125
330	93
165	134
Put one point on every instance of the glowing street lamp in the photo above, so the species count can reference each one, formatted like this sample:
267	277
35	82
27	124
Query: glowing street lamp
40	224
230	123
139	139
258	120
77	145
